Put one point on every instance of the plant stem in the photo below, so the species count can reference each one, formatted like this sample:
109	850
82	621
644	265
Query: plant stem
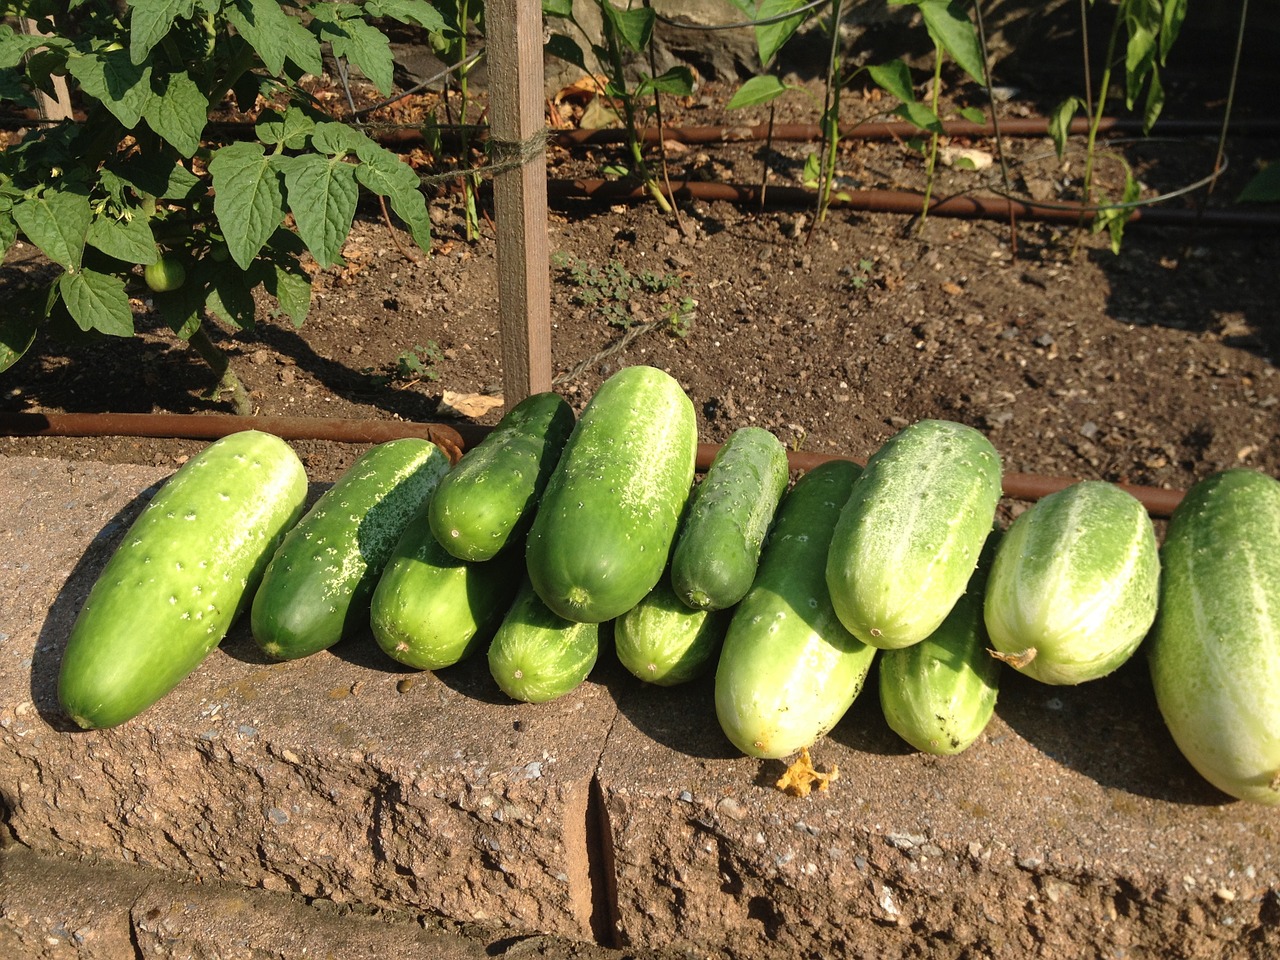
220	364
629	118
932	162
830	117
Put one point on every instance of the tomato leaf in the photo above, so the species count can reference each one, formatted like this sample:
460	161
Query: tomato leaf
322	196
127	240
178	113
248	200
57	223
759	89
151	21
97	301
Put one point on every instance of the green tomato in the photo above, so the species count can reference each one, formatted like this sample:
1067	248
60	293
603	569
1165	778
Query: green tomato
165	274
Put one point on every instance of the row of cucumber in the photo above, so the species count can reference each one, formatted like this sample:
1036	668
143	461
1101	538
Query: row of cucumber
552	527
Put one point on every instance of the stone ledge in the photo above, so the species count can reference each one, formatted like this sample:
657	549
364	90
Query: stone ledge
619	814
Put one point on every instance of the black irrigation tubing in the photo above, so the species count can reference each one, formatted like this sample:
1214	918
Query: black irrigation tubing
454	438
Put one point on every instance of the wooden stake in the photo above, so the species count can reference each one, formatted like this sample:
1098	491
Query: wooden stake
513	31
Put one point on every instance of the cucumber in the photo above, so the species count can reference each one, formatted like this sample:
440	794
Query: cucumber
1214	653
718	547
181	576
488	499
431	610
664	642
939	694
1073	587
318	586
789	670
537	655
603	532
909	538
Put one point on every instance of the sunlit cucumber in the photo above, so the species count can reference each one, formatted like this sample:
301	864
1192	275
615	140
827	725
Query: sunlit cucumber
789	670
718	547
537	655
910	536
939	694
180	577
488	499
430	610
317	588
1073	587
664	641
1215	651
603	532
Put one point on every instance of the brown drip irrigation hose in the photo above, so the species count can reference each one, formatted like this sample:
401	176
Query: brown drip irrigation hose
454	439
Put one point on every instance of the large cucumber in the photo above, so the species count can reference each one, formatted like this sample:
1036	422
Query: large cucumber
718	547
488	499
537	655
1215	651
910	536
317	588
604	529
939	694
1073	587
663	641
180	577
789	670
430	610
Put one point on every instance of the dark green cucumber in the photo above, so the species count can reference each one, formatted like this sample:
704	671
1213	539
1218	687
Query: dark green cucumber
181	576
431	610
317	588
537	655
789	670
488	499
665	642
910	536
718	547
1215	651
939	694
604	529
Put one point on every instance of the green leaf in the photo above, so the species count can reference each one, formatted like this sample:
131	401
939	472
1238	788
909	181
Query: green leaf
230	299
158	175
365	46
97	301
337	139
772	37
183	309
248	200
894	78
386	174
973	115
557	8
1172	14
759	89
266	27
289	129
13	90
178	113
322	196
281	274
678	82
1060	123
1155	101
122	86
417	12
1139	58
8	232
919	115
951	30
566	49
127	240
633	27
17	333
151	21
57	223
1264	187
812	170
15	46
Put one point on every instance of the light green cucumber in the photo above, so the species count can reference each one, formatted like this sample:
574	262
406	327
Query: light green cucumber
607	520
181	576
1214	653
488	500
431	610
1073	587
537	655
789	670
718	547
318	586
910	536
663	641
940	694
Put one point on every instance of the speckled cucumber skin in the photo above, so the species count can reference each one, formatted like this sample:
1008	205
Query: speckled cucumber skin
318	586
537	655
665	642
911	534
607	520
1074	584
488	500
718	547
181	576
940	694
1214	653
789	670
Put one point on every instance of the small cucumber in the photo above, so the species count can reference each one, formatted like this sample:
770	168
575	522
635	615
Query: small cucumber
488	499
317	588
181	576
431	610
939	694
789	670
909	538
1214	654
718	547
603	532
1073	587
537	655
663	641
